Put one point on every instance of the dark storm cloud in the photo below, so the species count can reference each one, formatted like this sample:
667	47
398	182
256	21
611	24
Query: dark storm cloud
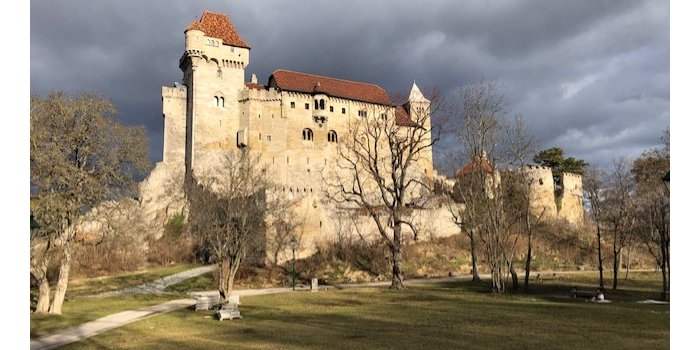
590	76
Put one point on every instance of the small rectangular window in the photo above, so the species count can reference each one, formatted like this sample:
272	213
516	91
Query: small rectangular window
331	108
306	106
269	138
292	104
343	110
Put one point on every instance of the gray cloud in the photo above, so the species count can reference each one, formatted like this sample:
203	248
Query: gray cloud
590	76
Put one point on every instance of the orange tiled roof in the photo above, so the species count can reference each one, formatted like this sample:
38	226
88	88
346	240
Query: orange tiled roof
473	166
218	25
403	118
311	83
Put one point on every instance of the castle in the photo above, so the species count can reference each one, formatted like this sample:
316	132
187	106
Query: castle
294	123
549	199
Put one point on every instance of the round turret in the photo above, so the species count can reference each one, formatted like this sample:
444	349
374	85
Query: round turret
193	38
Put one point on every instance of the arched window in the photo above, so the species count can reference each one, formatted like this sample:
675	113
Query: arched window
219	100
322	104
307	134
332	136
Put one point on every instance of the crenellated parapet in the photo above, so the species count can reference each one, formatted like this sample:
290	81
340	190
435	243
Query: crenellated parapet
262	95
562	200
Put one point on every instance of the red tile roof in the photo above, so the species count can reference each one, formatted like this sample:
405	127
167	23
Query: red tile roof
311	83
403	118
473	166
218	25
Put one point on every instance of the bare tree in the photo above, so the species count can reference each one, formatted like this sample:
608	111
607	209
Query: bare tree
520	147
618	211
286	225
593	191
493	199
378	171
80	156
652	201
227	209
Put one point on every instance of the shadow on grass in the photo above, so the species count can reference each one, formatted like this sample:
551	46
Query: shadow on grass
450	315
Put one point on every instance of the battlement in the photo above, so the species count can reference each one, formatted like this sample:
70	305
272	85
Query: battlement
270	94
177	90
539	167
572	175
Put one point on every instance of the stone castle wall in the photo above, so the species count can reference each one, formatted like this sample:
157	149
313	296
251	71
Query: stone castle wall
543	198
571	206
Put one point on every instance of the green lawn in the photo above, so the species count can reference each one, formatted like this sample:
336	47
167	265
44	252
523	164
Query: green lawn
81	310
78	308
442	316
90	286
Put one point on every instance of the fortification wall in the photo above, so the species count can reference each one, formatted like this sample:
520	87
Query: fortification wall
571	207
174	123
542	197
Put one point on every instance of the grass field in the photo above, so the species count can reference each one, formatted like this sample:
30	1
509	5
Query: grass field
460	315
79	308
90	286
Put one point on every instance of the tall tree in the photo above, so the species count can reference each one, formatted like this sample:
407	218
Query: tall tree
519	148
593	187
80	155
378	172
618	212
228	208
492	200
650	172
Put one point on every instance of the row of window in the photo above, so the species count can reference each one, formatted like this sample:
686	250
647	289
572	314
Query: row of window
308	135
317	105
212	42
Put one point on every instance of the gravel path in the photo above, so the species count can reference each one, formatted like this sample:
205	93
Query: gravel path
158	286
106	323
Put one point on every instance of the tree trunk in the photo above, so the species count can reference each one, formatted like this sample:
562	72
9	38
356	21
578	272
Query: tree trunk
528	260
475	267
513	276
627	265
227	271
664	286
396	274
496	279
600	260
42	303
44	297
62	284
616	267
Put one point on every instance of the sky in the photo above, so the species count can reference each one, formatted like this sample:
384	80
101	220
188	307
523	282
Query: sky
589	76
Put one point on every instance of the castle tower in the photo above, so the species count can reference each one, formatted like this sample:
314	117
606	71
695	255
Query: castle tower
542	197
213	67
571	207
418	106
